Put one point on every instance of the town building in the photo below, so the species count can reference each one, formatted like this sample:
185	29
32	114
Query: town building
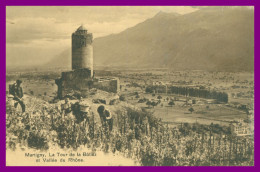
242	128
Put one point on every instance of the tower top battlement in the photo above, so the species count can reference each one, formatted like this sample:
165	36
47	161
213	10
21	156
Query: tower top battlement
82	30
82	27
81	34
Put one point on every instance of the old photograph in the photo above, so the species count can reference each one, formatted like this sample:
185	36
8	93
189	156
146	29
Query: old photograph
130	86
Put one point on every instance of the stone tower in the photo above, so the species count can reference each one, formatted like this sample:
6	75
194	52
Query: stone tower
80	80
82	50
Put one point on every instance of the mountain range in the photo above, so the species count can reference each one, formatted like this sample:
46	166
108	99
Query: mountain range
215	39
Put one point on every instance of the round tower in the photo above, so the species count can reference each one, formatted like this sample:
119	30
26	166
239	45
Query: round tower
82	49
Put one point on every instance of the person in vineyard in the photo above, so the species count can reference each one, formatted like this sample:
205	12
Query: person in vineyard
17	91
66	107
100	111
81	111
106	117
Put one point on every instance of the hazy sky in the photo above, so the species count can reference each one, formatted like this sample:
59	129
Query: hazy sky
36	34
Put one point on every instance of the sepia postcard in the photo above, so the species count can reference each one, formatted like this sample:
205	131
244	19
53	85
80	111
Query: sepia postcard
129	86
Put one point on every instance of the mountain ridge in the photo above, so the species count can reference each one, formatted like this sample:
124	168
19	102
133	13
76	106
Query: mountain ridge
210	39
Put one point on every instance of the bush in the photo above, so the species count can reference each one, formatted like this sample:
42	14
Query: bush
191	110
171	103
122	98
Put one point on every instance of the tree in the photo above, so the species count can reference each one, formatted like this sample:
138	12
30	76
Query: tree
153	104
191	110
141	100
159	97
122	98
171	103
149	89
149	103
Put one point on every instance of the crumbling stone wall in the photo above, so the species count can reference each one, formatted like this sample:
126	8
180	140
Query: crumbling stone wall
109	85
80	81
